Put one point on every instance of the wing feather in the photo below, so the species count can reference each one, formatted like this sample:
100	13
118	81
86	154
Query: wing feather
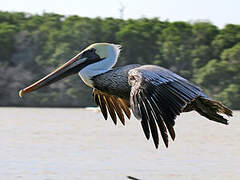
118	109
125	107
159	120
145	120
151	118
102	105
113	105
111	109
136	102
157	97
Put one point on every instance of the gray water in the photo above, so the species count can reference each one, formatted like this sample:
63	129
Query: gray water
75	144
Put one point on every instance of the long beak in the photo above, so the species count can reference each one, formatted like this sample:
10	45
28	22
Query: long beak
72	66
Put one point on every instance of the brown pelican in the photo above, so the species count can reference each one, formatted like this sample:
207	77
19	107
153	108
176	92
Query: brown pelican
154	94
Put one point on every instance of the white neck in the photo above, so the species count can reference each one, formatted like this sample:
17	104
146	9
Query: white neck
100	67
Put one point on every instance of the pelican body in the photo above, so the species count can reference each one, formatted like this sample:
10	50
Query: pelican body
154	94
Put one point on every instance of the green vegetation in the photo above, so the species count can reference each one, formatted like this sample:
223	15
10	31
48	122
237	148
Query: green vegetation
32	45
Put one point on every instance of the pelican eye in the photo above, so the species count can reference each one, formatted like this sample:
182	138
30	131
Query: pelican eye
90	53
92	50
131	78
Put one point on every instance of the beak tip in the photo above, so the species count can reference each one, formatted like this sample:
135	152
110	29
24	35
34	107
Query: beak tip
20	93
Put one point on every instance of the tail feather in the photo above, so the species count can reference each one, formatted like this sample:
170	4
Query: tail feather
209	109
220	108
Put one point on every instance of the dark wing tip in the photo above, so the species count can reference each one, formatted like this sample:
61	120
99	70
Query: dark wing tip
103	108
118	109
145	128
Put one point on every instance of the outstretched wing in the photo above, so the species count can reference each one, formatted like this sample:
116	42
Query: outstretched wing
112	105
157	97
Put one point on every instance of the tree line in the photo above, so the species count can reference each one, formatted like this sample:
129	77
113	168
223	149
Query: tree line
33	45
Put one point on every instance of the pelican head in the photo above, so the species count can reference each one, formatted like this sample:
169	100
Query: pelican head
96	59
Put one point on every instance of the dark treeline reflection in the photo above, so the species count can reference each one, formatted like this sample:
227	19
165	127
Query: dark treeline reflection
33	45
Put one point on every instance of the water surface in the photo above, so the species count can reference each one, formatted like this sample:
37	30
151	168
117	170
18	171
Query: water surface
75	144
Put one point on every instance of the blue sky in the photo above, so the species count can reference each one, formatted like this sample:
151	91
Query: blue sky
219	12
